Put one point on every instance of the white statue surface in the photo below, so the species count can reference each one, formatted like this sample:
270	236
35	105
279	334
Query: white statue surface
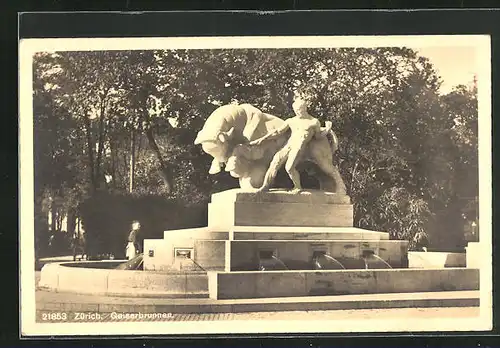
254	145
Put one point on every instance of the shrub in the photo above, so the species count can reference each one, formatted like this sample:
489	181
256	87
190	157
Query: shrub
107	219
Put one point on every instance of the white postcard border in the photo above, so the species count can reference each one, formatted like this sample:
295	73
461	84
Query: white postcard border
28	47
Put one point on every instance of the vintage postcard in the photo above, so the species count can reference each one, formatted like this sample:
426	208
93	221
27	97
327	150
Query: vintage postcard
273	185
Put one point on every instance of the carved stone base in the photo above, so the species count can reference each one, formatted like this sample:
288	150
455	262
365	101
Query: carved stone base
280	196
309	208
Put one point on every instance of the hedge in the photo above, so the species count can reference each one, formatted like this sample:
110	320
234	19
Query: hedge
107	218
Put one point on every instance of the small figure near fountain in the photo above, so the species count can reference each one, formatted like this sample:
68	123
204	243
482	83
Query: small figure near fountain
133	248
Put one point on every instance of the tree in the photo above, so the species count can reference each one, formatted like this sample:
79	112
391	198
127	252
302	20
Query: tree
406	152
57	141
459	179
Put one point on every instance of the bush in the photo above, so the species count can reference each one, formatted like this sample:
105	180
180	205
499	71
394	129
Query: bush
107	219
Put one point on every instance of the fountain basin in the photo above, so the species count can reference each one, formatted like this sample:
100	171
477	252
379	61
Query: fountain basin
99	278
247	284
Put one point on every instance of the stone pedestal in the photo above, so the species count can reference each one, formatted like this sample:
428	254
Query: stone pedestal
249	232
279	208
293	227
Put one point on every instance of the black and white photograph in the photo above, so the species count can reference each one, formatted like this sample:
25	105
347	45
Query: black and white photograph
225	185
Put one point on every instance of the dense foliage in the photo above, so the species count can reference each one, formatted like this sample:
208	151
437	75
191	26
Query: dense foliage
408	154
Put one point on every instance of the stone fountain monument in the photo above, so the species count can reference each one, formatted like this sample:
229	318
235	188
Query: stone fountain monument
262	242
268	249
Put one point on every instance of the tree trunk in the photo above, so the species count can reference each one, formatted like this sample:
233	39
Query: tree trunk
132	162
90	154
59	219
101	138
71	218
139	147
112	148
53	219
164	172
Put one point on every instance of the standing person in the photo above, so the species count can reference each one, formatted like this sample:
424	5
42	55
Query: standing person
133	247
303	128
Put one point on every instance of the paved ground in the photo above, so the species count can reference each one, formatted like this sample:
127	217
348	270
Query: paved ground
101	308
353	314
102	301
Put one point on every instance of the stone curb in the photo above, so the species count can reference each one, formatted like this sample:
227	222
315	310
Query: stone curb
137	294
421	300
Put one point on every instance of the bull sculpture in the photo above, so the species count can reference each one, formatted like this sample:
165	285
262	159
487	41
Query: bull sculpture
228	131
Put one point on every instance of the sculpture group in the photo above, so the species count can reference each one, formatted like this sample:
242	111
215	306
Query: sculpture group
253	146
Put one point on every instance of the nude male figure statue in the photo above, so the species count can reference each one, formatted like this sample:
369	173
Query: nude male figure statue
303	128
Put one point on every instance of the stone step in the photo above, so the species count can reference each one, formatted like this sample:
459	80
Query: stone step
206	233
303	233
275	233
265	284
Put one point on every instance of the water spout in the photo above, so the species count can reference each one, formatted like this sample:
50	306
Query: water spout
280	262
196	264
325	261
135	263
373	261
272	264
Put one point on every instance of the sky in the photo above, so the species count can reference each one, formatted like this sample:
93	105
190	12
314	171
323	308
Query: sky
455	65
